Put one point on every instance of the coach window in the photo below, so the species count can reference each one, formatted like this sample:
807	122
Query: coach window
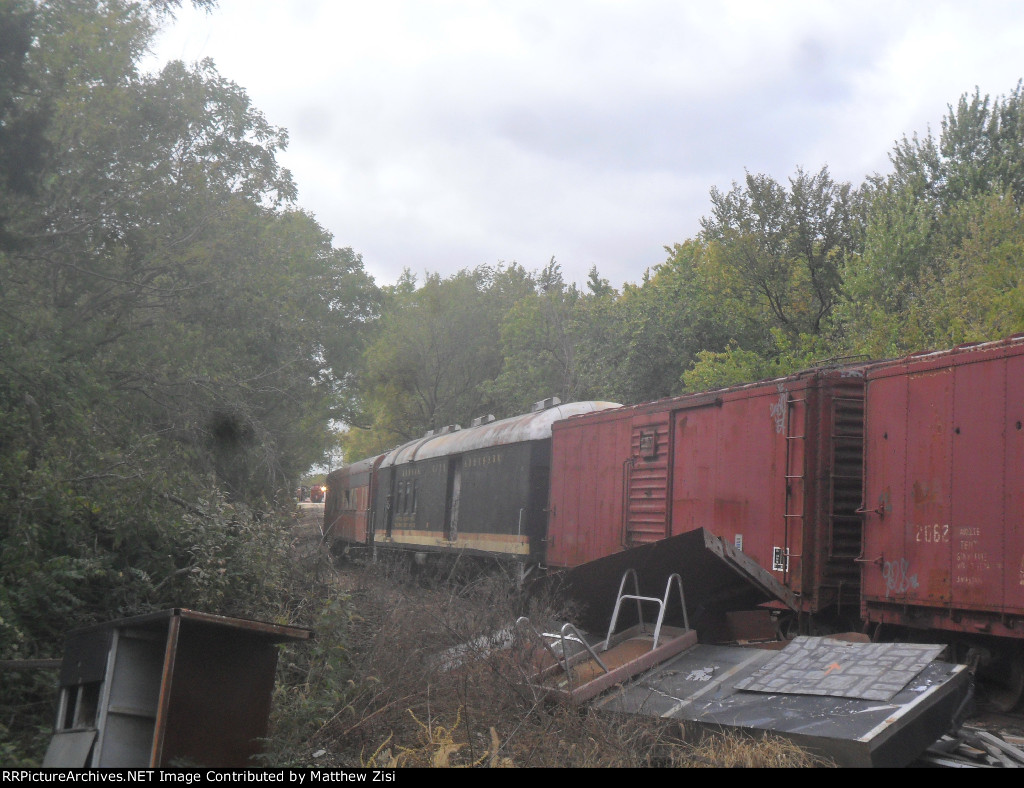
413	496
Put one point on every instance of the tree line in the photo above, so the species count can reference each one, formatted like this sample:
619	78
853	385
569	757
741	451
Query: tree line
782	275
177	335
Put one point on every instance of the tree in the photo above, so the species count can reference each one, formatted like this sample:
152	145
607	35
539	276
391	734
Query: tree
435	347
787	247
977	152
540	341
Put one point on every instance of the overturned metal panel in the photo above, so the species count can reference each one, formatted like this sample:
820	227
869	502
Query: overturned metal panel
716	578
702	688
164	689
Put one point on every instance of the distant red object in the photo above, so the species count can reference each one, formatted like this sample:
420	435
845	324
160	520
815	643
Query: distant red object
316	493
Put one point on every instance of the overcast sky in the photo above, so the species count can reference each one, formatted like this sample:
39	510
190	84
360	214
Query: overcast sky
439	135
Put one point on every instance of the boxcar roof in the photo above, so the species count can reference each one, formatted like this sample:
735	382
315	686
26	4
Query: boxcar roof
346	471
968	353
517	429
768	386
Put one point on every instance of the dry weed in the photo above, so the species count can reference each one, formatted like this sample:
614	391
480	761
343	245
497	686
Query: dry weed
437	688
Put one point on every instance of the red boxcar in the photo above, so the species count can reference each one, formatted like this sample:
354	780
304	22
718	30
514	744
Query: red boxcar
944	490
772	467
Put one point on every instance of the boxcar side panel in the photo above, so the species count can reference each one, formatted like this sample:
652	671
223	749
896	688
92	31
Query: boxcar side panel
943	539
1013	489
927	487
729	474
885	571
588	467
976	506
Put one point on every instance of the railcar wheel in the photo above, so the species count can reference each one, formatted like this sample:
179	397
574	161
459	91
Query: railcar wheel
1004	681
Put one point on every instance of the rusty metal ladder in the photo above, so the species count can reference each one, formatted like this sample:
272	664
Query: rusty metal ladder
780	560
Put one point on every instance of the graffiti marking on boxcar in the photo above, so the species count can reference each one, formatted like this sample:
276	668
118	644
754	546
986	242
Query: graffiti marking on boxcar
778	412
897	581
937	533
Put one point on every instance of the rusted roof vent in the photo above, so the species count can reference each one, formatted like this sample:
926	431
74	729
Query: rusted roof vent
442	430
544	404
482	420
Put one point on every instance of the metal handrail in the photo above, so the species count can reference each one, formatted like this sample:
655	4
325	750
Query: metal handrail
662	605
573	636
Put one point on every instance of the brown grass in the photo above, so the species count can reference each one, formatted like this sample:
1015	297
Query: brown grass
408	705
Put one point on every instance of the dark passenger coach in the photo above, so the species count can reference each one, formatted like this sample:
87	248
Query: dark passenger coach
481	490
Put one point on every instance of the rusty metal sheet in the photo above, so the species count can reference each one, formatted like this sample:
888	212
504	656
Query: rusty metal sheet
716	578
841	669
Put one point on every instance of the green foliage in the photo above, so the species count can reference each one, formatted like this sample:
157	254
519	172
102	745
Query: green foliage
435	348
689	304
941	263
785	248
541	338
315	679
174	337
735	366
977	152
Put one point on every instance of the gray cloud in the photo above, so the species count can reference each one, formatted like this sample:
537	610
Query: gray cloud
442	136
